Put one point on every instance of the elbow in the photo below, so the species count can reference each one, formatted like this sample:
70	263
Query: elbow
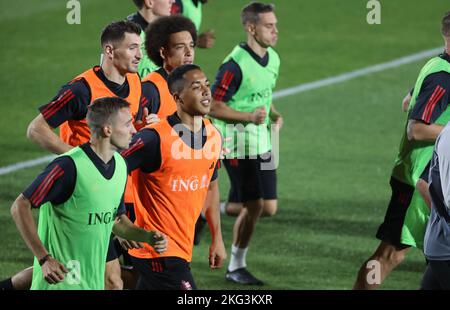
410	135
31	131
14	211
15	208
412	131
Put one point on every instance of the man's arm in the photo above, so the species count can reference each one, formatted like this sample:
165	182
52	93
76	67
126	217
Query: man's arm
420	131
276	117
40	132
70	103
144	151
217	253
227	83
222	111
431	102
52	269
124	228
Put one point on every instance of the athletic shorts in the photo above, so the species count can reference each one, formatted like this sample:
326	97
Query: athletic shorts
426	173
436	276
390	230
165	273
248	181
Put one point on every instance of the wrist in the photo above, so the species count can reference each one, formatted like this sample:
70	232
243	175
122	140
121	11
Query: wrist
250	117
44	259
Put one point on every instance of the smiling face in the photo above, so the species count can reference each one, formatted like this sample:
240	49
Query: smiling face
180	50
195	98
126	54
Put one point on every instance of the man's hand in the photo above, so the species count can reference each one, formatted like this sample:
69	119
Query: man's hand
158	241
129	244
278	122
146	119
206	39
217	255
258	116
53	271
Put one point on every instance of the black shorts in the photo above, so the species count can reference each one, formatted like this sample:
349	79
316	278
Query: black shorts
426	173
248	181
436	276
390	230
113	252
165	273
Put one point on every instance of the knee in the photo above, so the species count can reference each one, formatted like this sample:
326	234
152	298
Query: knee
253	210
270	208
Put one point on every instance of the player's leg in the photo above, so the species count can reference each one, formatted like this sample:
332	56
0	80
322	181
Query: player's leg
269	184
251	189
233	205
386	258
113	280
390	252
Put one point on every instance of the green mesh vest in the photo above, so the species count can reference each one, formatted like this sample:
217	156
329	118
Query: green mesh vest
413	156
255	91
77	232
146	66
193	12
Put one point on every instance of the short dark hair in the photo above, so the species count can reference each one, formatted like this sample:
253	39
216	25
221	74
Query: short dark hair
250	13
101	110
158	33
176	79
139	3
115	31
446	25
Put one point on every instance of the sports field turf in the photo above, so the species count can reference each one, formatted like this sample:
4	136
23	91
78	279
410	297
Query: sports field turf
337	145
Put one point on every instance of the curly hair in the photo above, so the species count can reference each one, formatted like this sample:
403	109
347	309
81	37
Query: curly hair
157	34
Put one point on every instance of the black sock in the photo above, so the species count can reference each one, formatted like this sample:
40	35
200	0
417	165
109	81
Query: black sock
6	285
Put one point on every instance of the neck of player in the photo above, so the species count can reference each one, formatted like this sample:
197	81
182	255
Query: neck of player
253	43
103	148
112	73
147	14
193	123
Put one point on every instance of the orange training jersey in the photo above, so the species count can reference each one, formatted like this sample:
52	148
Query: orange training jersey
170	199
76	132
167	105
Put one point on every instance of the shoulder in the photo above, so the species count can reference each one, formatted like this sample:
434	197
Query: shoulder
64	163
79	87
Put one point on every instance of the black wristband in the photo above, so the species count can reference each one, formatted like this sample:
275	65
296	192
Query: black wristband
44	259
